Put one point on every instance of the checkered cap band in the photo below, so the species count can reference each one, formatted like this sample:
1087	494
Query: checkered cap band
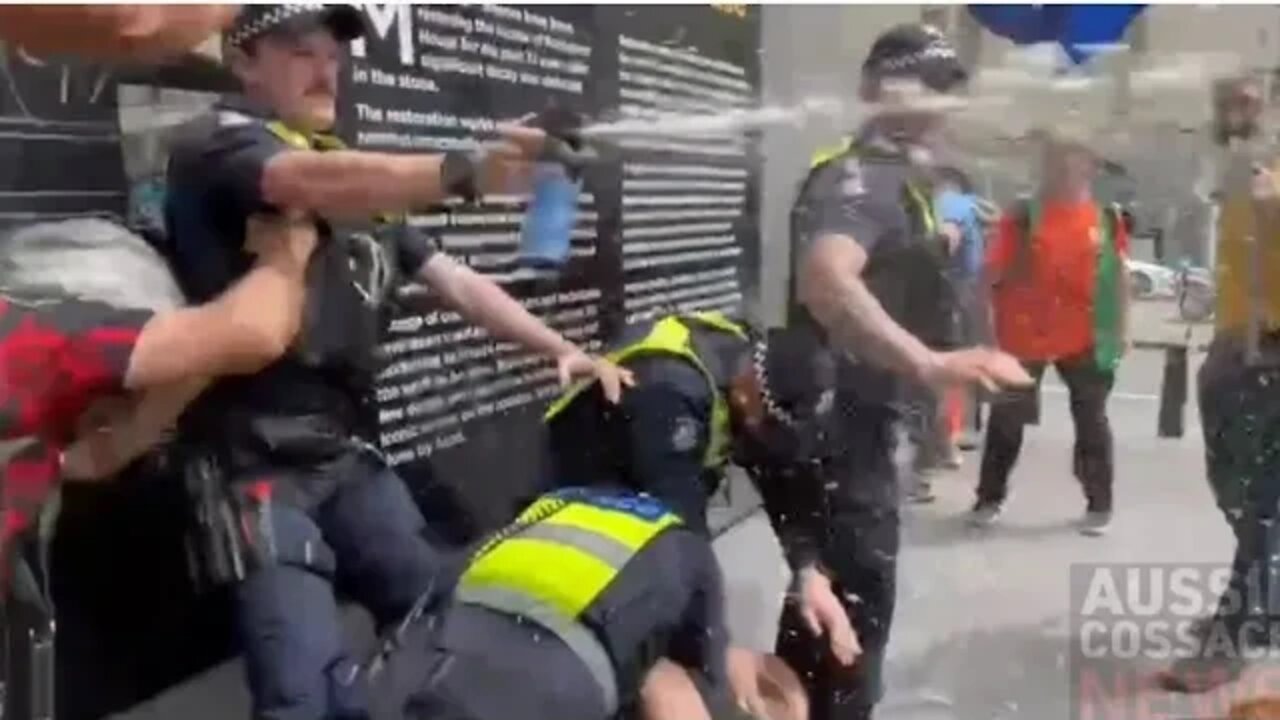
918	52
255	20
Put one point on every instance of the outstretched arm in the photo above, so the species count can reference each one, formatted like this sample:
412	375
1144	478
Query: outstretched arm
831	288
485	303
112	31
357	184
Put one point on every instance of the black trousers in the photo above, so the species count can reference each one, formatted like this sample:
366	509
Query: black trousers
862	554
1240	416
1093	463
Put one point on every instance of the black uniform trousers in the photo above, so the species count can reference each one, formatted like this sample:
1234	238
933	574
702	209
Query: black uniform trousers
1240	417
1093	461
861	552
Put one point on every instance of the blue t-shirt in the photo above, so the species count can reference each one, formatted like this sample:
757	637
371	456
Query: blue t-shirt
962	209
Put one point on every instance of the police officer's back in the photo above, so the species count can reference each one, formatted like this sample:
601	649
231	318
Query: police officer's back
566	611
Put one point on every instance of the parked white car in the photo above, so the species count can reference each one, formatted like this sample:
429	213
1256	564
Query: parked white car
1149	280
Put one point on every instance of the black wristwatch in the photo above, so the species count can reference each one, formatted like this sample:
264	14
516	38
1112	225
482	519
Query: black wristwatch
458	175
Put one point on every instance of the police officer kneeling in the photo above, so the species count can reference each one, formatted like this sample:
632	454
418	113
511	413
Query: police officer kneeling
569	607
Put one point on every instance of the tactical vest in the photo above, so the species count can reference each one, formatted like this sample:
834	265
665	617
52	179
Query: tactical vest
559	556
693	338
349	280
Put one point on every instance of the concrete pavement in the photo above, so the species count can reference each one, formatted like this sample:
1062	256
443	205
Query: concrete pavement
983	630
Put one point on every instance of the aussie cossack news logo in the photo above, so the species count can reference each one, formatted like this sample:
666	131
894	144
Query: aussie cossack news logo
1134	623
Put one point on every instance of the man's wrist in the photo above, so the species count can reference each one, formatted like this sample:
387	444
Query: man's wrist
812	569
458	171
927	366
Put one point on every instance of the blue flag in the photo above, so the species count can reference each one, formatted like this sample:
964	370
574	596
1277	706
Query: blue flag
1074	27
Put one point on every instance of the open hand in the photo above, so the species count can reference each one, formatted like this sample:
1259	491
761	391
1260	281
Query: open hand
992	368
824	614
575	364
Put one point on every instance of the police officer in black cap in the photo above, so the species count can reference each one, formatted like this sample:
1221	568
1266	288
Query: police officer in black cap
864	249
294	444
612	569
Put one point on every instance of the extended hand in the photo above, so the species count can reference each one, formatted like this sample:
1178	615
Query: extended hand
575	364
825	615
993	368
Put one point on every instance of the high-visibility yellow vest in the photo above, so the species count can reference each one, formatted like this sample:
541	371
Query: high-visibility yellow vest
676	335
557	558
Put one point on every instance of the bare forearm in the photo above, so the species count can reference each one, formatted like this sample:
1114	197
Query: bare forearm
247	328
113	31
490	307
353	183
853	317
486	304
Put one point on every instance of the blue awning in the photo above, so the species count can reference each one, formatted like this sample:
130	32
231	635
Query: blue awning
1074	27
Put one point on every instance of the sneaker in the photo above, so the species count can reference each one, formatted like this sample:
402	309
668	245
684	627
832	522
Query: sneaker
985	514
952	459
921	494
1095	523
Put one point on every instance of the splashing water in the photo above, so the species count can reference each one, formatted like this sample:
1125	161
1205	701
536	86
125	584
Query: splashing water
734	121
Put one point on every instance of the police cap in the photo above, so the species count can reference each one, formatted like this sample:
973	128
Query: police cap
914	51
346	22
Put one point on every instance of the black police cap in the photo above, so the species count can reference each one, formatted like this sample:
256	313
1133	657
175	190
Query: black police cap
346	22
914	51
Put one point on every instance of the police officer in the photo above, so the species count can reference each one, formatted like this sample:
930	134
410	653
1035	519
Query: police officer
569	608
863	244
293	443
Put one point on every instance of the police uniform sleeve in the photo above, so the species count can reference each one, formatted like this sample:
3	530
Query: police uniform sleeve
840	200
414	247
794	501
233	157
668	428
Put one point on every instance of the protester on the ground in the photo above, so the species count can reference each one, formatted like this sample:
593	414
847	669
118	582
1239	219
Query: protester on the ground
1239	390
1060	297
292	449
670	692
861	230
571	606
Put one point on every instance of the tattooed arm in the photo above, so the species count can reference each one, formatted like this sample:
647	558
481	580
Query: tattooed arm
831	288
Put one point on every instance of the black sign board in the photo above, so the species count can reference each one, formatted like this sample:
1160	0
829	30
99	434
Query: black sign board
665	223
59	139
